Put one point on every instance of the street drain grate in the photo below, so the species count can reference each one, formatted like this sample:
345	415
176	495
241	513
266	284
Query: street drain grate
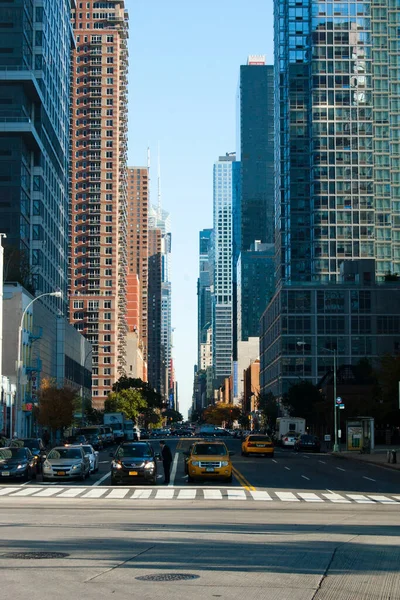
34	555
168	577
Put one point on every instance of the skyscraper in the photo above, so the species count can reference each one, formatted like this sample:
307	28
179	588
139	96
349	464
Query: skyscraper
222	267
99	188
204	307
35	50
338	100
156	364
253	198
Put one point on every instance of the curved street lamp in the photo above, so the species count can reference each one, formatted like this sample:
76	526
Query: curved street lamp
57	294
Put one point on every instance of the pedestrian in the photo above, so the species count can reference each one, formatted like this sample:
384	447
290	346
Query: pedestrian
46	438
166	456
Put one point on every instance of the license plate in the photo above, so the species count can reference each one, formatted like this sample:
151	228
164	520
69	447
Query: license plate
133	472
60	472
6	473
210	470
260	445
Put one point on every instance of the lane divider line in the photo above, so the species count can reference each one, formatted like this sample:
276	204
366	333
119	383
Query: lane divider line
174	468
247	485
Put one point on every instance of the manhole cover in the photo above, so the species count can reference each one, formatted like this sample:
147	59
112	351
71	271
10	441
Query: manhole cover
34	555
168	577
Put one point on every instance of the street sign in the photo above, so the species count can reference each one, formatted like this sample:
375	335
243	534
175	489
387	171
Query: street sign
327	438
339	433
341	405
338	400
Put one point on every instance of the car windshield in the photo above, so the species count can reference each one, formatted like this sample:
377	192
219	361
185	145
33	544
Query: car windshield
7	453
58	453
87	449
134	450
259	438
32	444
209	450
308	438
89	431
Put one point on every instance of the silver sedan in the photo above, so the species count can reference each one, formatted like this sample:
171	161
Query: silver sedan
93	456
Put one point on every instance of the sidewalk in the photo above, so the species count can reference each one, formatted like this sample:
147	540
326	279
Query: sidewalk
378	458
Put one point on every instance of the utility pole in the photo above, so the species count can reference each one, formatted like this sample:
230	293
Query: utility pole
336	445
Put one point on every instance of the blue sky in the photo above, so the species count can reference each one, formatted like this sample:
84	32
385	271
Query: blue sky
184	64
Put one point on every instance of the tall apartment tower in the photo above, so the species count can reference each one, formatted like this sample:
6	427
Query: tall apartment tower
254	198
338	141
204	311
138	242
35	51
222	268
155	355
98	265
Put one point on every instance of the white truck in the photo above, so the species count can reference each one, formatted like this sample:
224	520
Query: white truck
116	421
288	429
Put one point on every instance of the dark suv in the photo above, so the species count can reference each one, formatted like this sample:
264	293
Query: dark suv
134	462
308	443
35	445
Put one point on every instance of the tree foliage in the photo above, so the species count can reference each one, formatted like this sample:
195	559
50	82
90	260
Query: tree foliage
218	413
56	406
301	400
172	416
269	408
151	412
128	401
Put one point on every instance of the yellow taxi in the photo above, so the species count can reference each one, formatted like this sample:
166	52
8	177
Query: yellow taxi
257	444
208	460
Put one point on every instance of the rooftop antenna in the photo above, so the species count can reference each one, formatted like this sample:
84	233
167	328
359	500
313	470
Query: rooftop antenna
159	210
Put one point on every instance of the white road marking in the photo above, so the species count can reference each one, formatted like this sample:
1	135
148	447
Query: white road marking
304	477
287	497
100	481
383	499
322	462
164	494
118	493
287	468
337	498
369	478
72	492
104	462
275	461
27	491
258	495
187	494
5	491
141	494
212	494
340	469
310	497
46	493
360	499
174	468
95	493
305	456
236	494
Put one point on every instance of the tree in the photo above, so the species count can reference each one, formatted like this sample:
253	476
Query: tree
221	412
151	414
56	406
269	409
301	400
389	276
129	401
172	416
17	267
93	416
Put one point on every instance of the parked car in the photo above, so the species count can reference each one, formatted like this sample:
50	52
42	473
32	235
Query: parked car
66	462
75	440
144	434
133	462
35	445
208	460
17	463
94	435
289	438
257	444
307	442
108	434
93	457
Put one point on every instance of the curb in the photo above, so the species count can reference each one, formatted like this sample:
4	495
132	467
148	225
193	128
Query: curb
388	466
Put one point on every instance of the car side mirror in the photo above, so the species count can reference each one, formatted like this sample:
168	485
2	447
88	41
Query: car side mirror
231	454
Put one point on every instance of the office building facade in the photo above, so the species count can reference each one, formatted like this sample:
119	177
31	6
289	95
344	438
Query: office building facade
338	149
99	189
35	50
222	268
155	356
204	305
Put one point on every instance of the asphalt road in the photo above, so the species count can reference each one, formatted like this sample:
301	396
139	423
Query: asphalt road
286	471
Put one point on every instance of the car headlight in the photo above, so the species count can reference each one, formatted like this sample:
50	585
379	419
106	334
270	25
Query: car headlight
22	466
195	463
76	467
116	465
224	463
149	466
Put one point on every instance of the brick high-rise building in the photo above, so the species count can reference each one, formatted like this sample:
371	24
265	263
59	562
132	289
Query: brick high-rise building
138	244
98	265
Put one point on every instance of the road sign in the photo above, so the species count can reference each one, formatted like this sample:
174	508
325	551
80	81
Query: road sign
341	405
327	438
339	400
339	433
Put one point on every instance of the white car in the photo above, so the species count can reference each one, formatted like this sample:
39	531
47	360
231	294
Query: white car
93	456
289	438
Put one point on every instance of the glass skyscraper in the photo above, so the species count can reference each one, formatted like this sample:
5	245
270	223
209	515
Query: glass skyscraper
337	74
35	55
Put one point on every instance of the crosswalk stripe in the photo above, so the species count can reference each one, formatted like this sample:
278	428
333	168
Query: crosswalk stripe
28	491
47	492
117	493
187	494
383	499
95	493
258	495
6	491
212	494
236	495
143	494
164	494
336	498
310	497
360	499
287	497
72	492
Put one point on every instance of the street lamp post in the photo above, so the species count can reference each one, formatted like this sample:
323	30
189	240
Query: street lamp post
57	294
335	445
83	386
302	344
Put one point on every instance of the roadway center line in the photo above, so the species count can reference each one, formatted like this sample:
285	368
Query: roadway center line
100	481
340	469
304	477
275	461
287	468
174	468
369	478
322	461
